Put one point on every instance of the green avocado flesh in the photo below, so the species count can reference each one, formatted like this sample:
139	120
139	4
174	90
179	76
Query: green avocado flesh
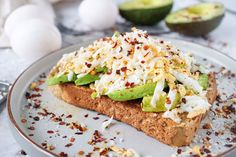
133	93
101	69
203	81
86	79
59	79
196	20
160	105
145	12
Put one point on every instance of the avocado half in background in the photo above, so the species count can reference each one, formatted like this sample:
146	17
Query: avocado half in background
196	20
145	12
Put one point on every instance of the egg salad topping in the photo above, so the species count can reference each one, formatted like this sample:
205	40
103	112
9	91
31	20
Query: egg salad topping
127	60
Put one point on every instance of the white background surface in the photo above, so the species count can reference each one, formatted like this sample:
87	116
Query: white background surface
223	39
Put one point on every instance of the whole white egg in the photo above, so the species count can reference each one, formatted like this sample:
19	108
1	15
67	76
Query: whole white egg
23	14
98	14
34	39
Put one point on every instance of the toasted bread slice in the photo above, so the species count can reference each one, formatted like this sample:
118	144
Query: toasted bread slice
152	124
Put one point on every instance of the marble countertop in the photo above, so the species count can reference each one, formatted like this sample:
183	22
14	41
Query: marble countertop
222	39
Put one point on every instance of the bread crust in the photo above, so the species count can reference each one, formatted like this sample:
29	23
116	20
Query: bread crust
152	124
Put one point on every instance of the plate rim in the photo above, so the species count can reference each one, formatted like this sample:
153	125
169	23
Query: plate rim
20	132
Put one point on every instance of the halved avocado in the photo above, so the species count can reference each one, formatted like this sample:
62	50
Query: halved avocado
59	79
160	104
145	12
133	93
86	79
196	20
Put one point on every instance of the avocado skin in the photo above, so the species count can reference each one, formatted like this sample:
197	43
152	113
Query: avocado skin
198	28
148	16
59	79
133	93
203	81
86	79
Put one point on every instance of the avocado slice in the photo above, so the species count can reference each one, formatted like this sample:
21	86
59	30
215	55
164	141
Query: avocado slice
59	79
160	105
203	81
145	12
196	20
133	93
100	69
86	79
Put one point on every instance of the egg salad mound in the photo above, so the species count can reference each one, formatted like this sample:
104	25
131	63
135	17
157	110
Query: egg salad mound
134	65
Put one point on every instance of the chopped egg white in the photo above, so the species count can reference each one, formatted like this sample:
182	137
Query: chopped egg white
158	91
194	106
173	115
106	123
187	81
70	75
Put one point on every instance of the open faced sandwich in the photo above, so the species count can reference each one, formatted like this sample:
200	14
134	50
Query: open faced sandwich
140	80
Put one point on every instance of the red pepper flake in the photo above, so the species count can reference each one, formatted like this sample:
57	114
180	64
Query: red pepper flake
179	151
128	84
23	121
145	35
206	126
216	133
69	116
208	133
228	145
145	47
103	152
206	150
95	118
109	72
31	128
184	100
36	105
22	152
168	101
34	96
62	123
72	139
27	95
63	154
36	118
88	64
115	45
123	69
146	54
44	144
161	41
126	40
129	52
142	61
118	72
68	145
79	133
81	152
50	131
51	147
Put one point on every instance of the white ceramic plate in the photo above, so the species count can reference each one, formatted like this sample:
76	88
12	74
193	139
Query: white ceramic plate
36	131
